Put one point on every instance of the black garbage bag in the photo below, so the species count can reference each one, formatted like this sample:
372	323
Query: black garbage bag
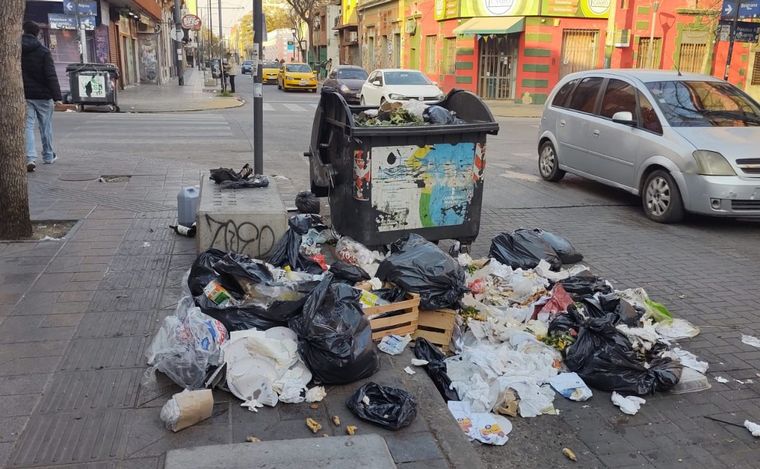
220	175
440	115
287	249
564	248
348	273
419	266
307	202
202	271
523	249
252	183
334	335
436	368
388	407
600	305
584	284
391	295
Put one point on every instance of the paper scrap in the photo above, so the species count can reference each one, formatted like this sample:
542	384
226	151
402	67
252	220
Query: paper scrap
408	370
419	362
628	404
394	344
571	386
721	379
752	427
485	427
750	340
316	394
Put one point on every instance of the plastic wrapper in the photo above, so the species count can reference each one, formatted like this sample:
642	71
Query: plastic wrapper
391	408
307	202
354	253
523	249
202	271
419	266
484	427
335	338
287	250
348	273
187	343
435	368
564	248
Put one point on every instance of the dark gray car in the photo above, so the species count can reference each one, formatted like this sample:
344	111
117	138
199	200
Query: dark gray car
346	80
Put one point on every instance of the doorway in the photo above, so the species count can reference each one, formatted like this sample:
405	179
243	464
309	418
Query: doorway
498	66
580	49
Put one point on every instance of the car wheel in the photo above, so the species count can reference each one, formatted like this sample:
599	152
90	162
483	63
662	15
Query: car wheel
661	198
548	164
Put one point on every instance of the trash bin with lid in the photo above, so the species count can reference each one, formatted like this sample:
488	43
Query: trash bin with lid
93	84
386	181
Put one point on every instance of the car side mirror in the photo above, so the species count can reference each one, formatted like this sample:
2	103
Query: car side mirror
624	117
377	83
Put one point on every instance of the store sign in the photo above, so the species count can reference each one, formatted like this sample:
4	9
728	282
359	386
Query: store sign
60	21
577	8
191	22
471	8
85	7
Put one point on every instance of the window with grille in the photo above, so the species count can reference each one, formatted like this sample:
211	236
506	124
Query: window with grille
643	59
430	65
756	70
579	50
449	56
692	57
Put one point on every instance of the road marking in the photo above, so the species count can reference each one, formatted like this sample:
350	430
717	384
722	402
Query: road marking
294	107
267	107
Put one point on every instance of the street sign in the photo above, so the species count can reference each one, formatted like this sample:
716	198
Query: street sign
60	21
747	8
745	32
191	22
86	7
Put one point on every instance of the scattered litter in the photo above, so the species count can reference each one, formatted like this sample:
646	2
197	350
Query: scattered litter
569	454
677	329
253	405
571	386
721	379
750	340
687	359
252	439
436	368
408	370
394	344
351	429
313	425
418	362
187	408
50	238
485	427
753	428
146	244
314	406
316	394
336	420
739	381
629	404
691	381
388	407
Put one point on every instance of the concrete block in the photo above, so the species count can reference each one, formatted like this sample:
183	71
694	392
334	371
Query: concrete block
343	452
248	221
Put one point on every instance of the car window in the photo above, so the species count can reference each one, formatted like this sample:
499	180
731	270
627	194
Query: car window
649	119
618	97
560	100
405	77
704	104
372	76
584	95
352	74
298	68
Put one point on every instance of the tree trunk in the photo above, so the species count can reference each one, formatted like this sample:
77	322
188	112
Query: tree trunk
14	198
310	28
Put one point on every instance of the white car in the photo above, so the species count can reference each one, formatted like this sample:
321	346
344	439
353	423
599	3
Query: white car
398	85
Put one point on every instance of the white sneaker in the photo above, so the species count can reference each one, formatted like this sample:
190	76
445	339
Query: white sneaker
30	167
55	157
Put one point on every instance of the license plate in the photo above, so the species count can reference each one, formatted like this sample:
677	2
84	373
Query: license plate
304	82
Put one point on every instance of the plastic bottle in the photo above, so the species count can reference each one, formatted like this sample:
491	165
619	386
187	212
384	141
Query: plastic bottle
188	201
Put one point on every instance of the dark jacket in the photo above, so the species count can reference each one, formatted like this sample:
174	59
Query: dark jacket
40	79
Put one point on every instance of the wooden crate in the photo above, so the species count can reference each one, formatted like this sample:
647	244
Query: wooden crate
437	326
398	318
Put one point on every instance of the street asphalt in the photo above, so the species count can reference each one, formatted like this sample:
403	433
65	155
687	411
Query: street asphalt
76	315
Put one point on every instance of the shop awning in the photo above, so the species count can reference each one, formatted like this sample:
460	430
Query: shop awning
491	25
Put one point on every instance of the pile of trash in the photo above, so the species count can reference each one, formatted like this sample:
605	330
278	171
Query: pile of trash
408	113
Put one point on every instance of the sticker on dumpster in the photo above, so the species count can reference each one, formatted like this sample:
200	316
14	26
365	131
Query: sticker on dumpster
92	86
424	186
362	175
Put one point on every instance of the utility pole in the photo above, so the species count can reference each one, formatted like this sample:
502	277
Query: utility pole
259	28
179	52
82	35
732	38
655	7
221	48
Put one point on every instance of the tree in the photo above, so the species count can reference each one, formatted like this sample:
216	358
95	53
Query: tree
277	17
306	11
14	197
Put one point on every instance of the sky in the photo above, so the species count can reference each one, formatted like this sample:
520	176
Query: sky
232	10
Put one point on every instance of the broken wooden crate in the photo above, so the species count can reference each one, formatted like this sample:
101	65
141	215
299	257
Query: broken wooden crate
437	326
399	318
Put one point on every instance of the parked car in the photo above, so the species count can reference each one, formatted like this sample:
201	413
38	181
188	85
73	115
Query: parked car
269	72
246	66
346	80
399	85
297	76
682	142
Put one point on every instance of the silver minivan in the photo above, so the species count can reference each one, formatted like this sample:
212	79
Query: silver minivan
682	142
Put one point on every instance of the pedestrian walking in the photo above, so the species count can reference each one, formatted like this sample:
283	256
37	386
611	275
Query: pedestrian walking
225	72
42	91
234	70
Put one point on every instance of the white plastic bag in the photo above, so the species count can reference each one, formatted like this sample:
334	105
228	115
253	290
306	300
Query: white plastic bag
628	405
571	386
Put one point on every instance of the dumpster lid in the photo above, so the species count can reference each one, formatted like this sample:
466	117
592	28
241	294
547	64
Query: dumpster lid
91	67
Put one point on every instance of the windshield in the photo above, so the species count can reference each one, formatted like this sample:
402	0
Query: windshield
247	62
303	68
270	65
406	78
704	104
352	74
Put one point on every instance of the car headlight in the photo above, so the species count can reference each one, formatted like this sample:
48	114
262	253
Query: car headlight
345	89
711	163
440	97
396	96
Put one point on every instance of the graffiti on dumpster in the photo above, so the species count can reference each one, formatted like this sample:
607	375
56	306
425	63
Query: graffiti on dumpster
424	186
229	236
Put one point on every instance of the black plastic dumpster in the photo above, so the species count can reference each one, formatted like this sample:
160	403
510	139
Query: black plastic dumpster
385	181
93	84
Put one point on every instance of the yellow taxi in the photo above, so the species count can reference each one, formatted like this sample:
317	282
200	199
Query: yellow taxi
297	76
269	72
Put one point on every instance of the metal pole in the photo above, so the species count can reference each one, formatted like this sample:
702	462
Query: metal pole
732	38
258	95
221	48
655	7
82	35
179	46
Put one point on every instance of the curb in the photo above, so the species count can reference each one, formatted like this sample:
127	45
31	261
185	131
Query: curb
239	103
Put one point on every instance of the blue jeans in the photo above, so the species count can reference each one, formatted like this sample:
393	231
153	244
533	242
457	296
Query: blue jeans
41	111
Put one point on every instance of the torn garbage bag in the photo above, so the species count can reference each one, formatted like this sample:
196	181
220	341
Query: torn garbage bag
187	343
348	273
564	248
334	336
523	249
388	407
307	202
287	250
419	266
202	271
435	367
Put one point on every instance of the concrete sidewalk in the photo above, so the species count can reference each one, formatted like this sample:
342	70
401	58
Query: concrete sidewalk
511	109
171	97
